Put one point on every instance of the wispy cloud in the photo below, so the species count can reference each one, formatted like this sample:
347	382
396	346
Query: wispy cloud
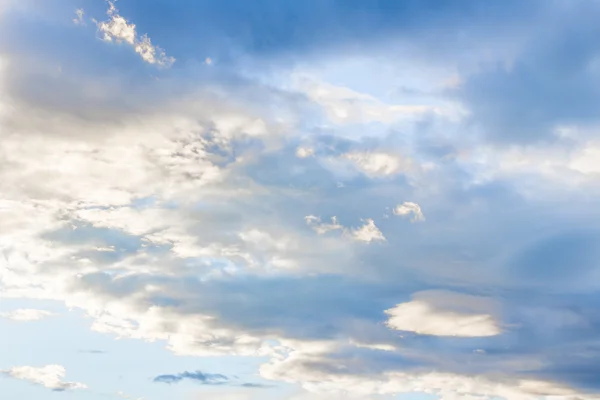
410	210
118	29
79	14
49	376
197	376
26	314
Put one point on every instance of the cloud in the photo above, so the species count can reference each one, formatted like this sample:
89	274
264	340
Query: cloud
321	227
118	29
203	378
345	106
378	163
25	314
443	314
407	209
78	20
304	152
368	232
49	376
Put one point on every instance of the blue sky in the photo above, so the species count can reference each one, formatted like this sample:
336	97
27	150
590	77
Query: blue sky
306	200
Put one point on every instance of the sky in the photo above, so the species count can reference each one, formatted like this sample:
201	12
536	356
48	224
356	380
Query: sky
299	200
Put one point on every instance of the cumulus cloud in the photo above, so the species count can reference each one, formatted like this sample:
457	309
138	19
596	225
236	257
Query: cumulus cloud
49	376
26	314
444	314
119	30
410	210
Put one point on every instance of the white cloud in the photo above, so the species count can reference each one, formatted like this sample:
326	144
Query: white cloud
378	163
407	209
119	30
322	227
368	232
304	152
50	376
78	20
25	314
444	314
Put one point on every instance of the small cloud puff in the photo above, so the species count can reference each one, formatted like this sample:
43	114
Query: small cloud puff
368	232
409	209
305	152
50	376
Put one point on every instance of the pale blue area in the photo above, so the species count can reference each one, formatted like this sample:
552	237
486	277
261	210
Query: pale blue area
104	364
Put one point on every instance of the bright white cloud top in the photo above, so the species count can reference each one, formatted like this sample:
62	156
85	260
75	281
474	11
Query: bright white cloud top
450	315
317	200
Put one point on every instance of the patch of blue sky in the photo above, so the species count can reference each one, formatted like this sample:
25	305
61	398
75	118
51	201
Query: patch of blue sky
106	364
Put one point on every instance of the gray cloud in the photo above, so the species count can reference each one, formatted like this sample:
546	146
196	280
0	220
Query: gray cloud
203	378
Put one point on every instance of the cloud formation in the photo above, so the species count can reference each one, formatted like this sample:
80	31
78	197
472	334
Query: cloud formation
450	315
410	210
197	376
49	376
119	30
